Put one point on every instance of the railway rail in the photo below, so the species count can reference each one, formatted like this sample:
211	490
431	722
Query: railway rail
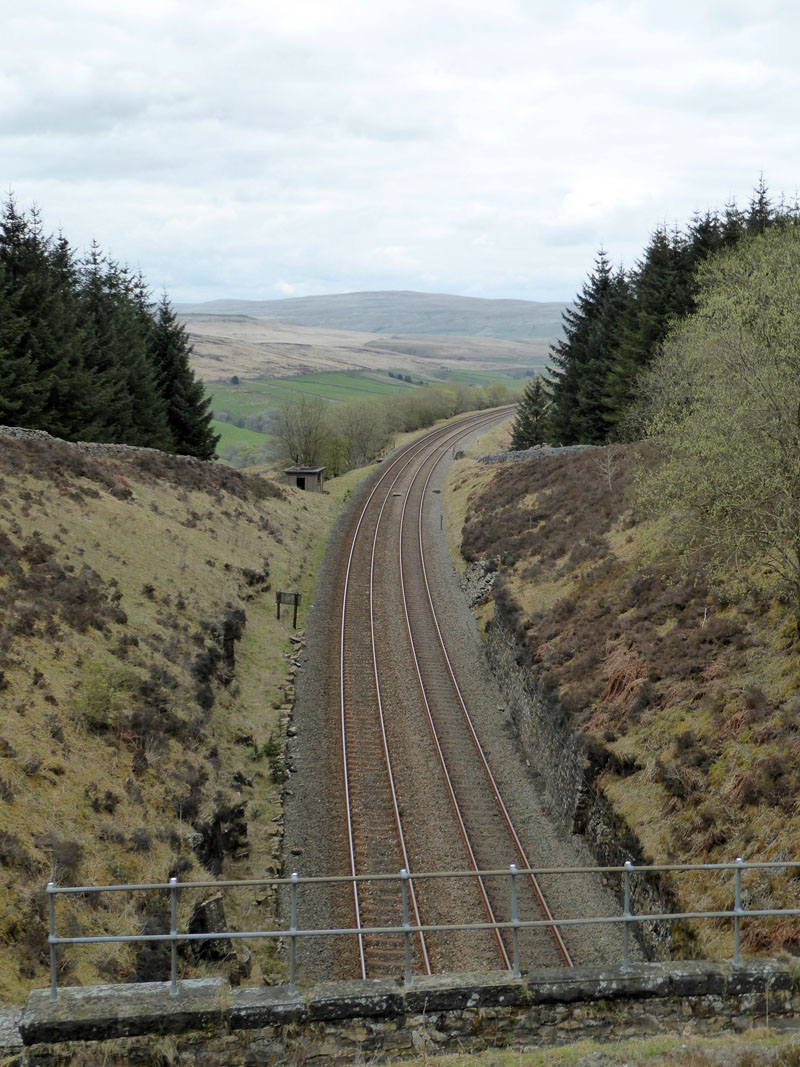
414	771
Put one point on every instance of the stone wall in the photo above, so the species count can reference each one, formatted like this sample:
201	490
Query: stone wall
211	1024
564	765
91	448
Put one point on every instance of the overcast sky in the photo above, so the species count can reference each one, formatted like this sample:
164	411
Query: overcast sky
260	149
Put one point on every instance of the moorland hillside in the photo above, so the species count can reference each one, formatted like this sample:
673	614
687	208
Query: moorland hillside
423	334
252	347
142	677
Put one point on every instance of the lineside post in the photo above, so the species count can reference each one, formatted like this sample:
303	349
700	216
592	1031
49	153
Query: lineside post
514	921
737	912
293	936
173	933
51	907
627	915
406	924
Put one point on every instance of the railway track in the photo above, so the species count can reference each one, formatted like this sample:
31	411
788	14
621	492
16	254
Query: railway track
419	790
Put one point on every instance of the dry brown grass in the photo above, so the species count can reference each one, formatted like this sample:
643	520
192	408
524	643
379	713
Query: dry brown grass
126	726
692	693
264	348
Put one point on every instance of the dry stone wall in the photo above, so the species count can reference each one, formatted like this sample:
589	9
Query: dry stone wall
91	448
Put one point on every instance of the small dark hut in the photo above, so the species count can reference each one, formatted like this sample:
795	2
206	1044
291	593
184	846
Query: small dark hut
310	478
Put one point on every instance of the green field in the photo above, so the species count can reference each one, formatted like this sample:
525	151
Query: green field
254	397
479	377
249	398
237	435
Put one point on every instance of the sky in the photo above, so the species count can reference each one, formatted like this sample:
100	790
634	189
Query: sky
261	149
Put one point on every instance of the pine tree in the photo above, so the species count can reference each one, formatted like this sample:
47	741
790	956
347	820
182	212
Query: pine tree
147	407
662	291
704	238
99	350
733	224
74	402
34	351
188	407
17	373
760	213
117	351
581	360
530	424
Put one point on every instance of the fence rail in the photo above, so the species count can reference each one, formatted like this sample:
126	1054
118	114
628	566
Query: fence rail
290	934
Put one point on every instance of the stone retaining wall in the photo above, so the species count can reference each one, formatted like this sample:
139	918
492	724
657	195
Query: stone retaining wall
533	453
211	1024
558	755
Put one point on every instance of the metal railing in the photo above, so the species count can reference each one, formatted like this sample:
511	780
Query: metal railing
290	934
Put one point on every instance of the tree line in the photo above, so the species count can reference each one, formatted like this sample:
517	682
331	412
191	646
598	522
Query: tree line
341	436
720	404
620	319
85	351
702	366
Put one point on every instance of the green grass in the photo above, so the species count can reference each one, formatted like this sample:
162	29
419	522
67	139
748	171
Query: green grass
254	397
753	1048
237	435
480	377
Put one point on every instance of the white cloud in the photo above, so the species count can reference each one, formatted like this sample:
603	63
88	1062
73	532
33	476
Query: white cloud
260	147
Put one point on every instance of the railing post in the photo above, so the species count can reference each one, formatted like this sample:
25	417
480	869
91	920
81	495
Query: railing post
293	936
737	911
173	933
51	907
514	921
627	915
406	924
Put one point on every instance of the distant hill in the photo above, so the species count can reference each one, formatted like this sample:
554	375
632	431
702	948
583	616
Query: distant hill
252	347
401	313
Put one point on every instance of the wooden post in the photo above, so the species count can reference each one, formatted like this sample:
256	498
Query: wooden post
288	598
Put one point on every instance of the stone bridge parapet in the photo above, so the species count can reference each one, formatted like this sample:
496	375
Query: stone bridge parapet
213	1024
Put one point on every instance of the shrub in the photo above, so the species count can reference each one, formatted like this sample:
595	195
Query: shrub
65	855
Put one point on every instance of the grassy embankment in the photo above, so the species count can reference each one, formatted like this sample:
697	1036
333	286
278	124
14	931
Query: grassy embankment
131	747
759	1047
691	696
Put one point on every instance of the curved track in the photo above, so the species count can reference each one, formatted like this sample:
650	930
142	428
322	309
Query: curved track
420	793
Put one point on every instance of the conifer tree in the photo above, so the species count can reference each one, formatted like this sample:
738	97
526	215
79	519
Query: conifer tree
661	291
733	224
17	373
530	425
100	349
146	404
760	213
74	401
704	238
116	347
34	352
187	405
581	359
